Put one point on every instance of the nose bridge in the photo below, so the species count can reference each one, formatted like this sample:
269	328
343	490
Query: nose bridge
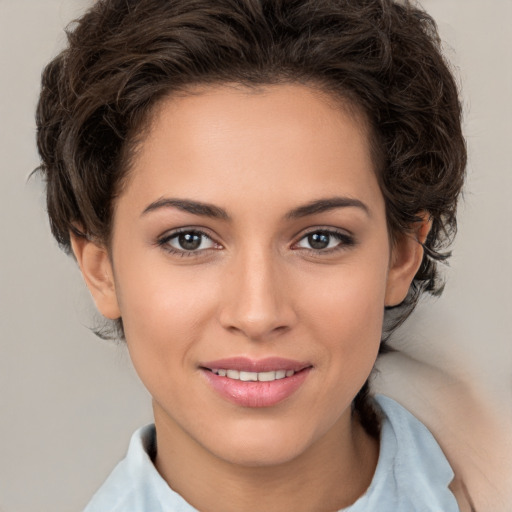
256	302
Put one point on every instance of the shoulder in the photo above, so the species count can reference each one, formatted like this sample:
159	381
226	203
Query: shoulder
135	484
412	471
424	445
415	444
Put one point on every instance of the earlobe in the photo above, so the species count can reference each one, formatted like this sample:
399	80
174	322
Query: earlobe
406	258
96	268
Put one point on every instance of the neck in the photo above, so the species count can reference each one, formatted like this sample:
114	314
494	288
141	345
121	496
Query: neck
332	474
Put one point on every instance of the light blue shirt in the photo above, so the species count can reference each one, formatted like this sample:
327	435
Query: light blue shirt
412	473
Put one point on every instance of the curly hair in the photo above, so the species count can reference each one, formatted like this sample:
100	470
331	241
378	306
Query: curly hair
382	56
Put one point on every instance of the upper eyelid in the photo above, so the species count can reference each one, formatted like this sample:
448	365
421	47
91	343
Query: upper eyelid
344	237
167	235
178	231
323	229
164	242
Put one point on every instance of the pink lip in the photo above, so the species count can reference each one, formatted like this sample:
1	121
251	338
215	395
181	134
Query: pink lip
255	394
244	364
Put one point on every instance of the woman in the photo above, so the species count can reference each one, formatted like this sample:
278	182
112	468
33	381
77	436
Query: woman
256	194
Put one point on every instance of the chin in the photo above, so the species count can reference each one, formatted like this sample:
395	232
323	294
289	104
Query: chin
260	445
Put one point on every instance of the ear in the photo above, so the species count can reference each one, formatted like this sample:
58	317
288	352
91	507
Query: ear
96	268
406	257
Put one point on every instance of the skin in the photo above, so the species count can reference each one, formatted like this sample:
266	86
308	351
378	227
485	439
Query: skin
254	288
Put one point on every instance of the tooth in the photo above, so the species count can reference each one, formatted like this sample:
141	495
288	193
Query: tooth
248	376
266	376
253	376
233	374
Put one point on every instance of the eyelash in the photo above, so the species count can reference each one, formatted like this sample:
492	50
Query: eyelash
164	242
345	241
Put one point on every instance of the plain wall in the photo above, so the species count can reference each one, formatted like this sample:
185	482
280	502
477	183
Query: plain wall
70	401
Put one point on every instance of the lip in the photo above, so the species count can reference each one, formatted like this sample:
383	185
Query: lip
255	394
245	364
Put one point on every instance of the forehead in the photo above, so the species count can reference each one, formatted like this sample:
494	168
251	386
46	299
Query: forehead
288	140
275	111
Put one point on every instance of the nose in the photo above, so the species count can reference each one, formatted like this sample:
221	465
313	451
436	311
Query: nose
257	299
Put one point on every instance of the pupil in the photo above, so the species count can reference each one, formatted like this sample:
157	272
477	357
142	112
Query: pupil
189	241
318	240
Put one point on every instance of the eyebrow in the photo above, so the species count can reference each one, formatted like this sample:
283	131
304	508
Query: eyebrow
210	210
324	205
186	205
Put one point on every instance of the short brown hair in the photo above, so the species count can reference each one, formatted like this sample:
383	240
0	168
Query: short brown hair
382	56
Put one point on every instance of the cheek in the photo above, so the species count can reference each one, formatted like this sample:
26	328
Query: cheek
163	311
346	309
342	314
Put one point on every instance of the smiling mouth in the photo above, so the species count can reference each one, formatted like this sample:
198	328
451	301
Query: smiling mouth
259	383
253	376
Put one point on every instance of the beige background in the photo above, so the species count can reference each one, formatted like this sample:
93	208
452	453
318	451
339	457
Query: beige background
69	402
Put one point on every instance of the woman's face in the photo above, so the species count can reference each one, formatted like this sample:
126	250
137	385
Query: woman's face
251	264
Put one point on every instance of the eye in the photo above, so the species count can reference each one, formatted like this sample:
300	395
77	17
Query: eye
325	240
190	241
